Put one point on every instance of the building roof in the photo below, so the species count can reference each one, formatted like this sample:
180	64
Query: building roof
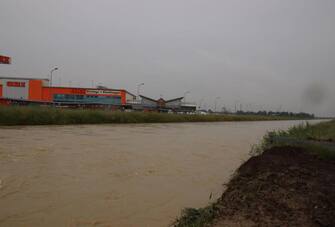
156	100
22	78
144	97
91	88
130	93
171	100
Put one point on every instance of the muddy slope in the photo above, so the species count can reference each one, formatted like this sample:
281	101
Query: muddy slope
284	186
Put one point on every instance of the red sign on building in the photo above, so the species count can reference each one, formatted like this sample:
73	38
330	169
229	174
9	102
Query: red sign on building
16	84
5	59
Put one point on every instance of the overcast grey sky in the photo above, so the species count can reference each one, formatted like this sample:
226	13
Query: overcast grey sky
270	54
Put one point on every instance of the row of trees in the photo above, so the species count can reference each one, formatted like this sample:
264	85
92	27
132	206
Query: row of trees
274	113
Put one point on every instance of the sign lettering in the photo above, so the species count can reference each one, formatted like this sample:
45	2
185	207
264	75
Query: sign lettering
102	92
5	59
16	84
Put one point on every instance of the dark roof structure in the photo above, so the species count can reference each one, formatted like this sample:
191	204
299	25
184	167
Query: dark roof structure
166	101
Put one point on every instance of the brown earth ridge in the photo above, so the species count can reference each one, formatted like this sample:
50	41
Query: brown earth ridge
284	186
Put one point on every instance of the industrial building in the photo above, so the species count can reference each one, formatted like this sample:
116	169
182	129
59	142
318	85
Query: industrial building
35	90
162	105
25	91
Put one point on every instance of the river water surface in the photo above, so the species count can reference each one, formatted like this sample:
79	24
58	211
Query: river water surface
118	175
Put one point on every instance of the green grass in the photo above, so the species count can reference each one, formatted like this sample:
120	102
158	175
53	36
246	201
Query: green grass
34	115
324	131
317	139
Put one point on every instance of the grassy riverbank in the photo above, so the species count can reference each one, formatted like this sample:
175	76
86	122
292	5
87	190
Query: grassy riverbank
288	181
46	116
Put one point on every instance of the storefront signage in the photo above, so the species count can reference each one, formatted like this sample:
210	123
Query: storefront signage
101	92
16	84
5	59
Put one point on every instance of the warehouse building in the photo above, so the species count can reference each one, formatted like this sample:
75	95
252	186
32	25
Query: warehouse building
35	90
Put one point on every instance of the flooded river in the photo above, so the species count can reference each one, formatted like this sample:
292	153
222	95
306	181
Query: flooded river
118	175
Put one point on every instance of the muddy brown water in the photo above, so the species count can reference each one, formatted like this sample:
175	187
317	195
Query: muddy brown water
118	175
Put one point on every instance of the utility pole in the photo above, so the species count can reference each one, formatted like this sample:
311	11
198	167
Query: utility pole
54	69
187	92
200	103
215	103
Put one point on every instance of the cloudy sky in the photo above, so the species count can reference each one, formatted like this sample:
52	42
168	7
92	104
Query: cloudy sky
269	54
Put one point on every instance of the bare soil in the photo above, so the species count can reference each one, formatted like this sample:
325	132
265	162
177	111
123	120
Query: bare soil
284	186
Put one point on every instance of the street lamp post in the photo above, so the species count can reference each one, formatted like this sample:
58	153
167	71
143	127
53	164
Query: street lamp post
138	89
215	103
187	92
54	69
200	103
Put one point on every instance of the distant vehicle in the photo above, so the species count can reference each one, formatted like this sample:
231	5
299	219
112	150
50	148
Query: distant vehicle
202	112
190	113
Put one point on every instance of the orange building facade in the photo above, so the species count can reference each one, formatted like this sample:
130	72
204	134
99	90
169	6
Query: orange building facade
26	90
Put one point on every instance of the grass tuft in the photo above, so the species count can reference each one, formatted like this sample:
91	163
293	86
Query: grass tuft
191	217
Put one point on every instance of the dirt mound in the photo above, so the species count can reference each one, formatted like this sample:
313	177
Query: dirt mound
284	186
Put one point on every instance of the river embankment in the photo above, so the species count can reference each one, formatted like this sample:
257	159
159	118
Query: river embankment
35	115
288	181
